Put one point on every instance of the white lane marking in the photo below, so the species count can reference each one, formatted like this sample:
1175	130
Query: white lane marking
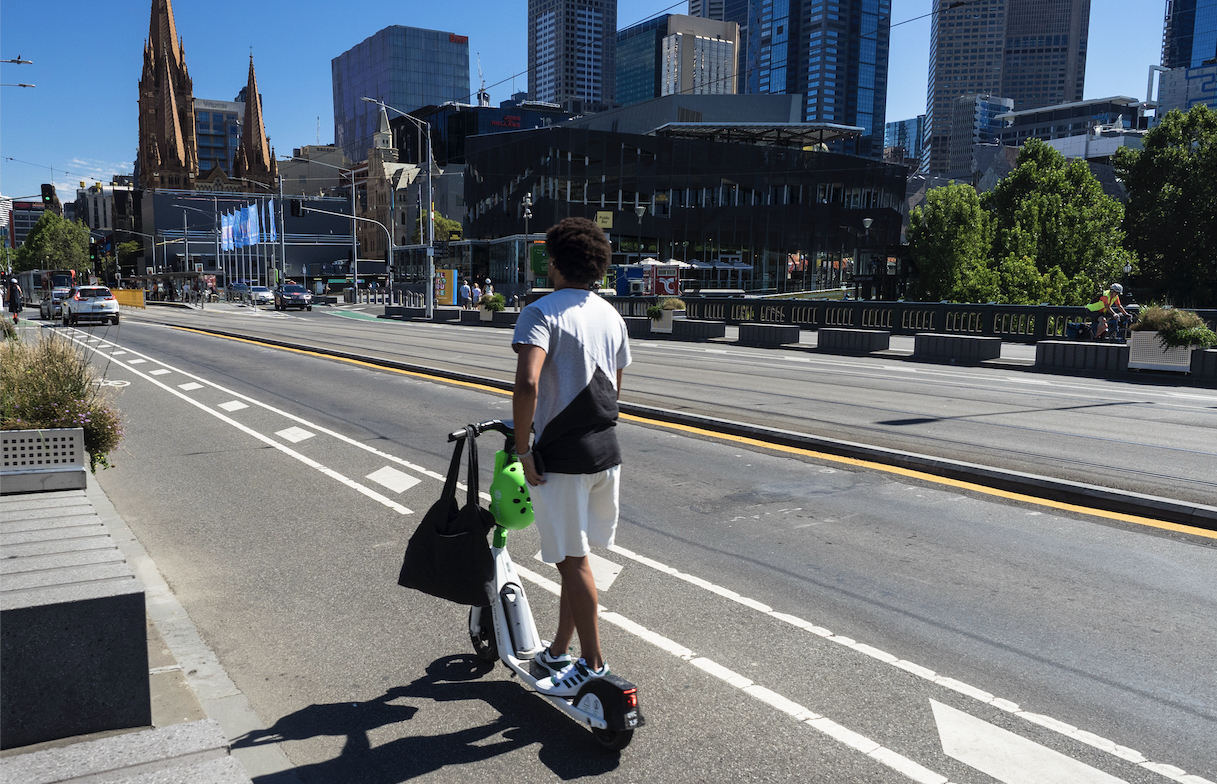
1020	380
189	387
881	754
318	428
393	479
604	571
1208	398
716	351
294	434
1008	757
117	353
233	405
1068	730
134	361
900	369
160	372
367	491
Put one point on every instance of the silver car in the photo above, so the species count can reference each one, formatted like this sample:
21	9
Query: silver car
263	296
90	303
51	307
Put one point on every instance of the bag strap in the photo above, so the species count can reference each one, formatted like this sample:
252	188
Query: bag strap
471	481
454	469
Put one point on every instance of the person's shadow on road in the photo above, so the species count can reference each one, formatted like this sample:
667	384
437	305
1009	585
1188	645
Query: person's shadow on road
524	719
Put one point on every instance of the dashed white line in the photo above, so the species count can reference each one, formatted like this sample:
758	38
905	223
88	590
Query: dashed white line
393	479
980	695
295	434
233	405
189	387
136	361
160	372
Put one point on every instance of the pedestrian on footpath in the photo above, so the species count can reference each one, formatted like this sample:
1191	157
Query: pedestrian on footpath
15	298
464	293
572	347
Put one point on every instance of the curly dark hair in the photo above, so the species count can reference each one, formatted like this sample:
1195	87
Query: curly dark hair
579	249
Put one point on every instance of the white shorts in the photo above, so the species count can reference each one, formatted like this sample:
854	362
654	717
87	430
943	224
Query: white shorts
575	511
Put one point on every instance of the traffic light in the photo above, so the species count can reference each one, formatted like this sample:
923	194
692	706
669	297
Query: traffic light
297	208
48	194
94	251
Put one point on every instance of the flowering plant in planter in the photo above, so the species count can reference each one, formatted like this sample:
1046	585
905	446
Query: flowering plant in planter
48	383
1176	328
493	302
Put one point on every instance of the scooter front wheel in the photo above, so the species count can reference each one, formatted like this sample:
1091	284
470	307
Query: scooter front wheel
485	646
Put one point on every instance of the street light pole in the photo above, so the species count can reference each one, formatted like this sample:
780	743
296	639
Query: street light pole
426	129
527	239
640	211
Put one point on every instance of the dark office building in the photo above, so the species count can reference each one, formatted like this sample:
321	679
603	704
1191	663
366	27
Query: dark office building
1031	51
639	60
834	52
788	215
452	124
1190	36
572	49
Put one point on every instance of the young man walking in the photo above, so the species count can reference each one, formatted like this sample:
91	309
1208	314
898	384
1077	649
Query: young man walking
571	347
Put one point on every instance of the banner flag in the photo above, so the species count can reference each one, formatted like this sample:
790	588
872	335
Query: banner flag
225	232
255	235
272	235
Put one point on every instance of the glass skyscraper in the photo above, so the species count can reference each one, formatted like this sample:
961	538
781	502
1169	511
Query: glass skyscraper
835	52
639	60
572	51
674	54
1190	36
407	68
1031	51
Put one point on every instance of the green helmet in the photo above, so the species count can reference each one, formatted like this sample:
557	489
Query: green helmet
509	500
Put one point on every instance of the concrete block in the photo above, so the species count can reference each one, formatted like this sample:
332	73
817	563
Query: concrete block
853	341
73	655
963	348
506	317
1072	355
37	461
637	326
195	752
768	334
691	329
447	314
1204	363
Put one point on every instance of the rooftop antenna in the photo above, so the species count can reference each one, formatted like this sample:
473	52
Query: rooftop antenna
483	96
318	129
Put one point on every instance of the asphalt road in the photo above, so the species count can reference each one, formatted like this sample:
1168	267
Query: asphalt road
786	618
1152	435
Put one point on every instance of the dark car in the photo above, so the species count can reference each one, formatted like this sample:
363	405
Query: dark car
293	296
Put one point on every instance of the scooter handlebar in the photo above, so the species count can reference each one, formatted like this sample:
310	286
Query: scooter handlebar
503	426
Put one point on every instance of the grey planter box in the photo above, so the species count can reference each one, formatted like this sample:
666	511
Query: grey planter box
768	334
852	341
637	326
1145	352
961	348
41	460
1074	355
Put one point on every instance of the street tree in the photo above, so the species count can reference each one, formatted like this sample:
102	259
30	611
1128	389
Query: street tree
1054	213
54	243
445	228
1172	201
950	242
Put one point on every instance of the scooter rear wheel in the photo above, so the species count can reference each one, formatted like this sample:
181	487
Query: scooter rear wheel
485	646
613	740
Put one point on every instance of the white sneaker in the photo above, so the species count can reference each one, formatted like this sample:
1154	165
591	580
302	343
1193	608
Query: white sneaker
568	682
554	663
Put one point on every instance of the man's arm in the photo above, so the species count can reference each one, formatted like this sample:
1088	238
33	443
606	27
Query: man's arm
529	360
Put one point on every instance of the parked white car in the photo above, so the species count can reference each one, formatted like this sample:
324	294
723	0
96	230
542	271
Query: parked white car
90	303
263	296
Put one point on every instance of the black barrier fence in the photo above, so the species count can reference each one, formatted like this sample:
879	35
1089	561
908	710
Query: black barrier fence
1012	323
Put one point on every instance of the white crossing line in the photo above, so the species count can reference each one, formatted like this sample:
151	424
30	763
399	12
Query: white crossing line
1068	730
189	387
160	372
294	434
897	762
604	571
117	353
136	361
393	479
233	405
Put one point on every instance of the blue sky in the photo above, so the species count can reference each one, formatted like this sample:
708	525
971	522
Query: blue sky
81	118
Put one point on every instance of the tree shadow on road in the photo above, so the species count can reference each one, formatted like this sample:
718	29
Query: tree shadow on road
524	719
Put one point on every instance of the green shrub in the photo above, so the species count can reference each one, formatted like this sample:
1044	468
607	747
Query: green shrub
654	312
493	302
48	383
671	303
1175	327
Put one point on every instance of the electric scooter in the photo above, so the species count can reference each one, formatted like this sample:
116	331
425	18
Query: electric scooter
505	630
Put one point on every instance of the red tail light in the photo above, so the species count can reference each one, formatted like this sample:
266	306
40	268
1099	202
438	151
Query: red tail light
631	698
76	298
108	296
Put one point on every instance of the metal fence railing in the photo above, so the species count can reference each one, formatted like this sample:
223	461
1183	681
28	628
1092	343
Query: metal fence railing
1012	323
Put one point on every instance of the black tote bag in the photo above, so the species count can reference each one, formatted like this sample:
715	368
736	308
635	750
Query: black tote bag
448	555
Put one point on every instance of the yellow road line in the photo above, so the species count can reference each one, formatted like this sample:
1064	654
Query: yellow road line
755	442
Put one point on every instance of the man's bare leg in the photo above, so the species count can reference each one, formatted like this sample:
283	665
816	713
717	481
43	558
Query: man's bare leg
577	612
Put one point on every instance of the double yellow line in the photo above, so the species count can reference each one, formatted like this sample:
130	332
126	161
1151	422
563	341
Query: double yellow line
758	443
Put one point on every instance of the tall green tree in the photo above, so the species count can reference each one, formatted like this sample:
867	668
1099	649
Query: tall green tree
54	243
1172	204
1054	212
950	242
444	228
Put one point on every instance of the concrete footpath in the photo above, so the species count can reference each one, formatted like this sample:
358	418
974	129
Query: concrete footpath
196	708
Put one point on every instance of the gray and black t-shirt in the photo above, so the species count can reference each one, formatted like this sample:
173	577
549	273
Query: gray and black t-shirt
585	342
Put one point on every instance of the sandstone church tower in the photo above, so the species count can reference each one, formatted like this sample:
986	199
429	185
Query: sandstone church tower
255	158
168	152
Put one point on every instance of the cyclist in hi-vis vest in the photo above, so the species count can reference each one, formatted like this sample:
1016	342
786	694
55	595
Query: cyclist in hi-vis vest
1108	303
